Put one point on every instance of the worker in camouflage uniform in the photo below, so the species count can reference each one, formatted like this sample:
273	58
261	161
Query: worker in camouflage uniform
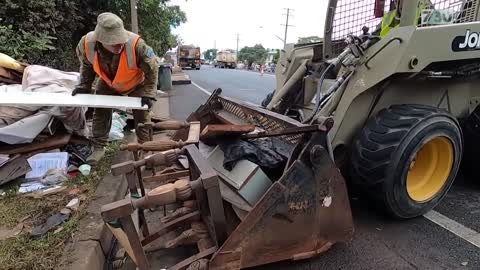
125	65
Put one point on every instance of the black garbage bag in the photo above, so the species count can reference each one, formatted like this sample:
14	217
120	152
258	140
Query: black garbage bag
260	152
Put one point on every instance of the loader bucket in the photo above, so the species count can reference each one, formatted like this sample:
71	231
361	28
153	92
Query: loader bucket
302	214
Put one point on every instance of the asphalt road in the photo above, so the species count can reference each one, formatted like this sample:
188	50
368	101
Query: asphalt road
241	84
379	242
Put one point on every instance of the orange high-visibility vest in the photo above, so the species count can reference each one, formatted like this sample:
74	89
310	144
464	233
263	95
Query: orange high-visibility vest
128	75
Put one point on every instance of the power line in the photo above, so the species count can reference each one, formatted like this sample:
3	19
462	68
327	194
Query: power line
287	25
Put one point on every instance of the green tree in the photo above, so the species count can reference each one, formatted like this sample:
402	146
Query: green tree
276	57
46	32
257	54
310	39
210	54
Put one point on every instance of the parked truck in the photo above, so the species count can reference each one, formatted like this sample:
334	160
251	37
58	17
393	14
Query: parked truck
226	59
188	56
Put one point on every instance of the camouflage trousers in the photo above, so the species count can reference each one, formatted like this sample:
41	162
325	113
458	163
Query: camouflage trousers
102	118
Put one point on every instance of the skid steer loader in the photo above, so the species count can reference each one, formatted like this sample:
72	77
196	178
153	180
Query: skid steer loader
387	111
397	100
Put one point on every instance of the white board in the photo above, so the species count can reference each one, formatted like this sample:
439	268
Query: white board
67	100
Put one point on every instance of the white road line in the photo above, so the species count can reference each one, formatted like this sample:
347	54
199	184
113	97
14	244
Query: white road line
208	93
454	227
201	88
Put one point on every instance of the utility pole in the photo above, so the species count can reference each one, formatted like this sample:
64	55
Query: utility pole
238	39
134	16
286	25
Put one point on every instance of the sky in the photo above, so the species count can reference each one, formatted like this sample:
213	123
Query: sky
216	22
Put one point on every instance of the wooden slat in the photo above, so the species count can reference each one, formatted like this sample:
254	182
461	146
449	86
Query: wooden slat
211	132
164	178
135	244
196	257
194	132
188	218
48	144
123	240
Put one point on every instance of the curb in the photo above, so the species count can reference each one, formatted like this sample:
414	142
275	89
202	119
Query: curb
180	78
91	246
180	82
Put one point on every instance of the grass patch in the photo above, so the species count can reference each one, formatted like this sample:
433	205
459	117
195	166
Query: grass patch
25	252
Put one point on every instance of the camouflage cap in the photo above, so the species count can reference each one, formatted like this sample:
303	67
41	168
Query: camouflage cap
110	30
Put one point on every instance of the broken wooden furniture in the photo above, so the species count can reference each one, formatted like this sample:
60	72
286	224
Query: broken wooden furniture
303	213
164	145
130	169
158	145
202	214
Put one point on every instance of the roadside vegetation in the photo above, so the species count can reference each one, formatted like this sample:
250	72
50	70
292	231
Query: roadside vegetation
46	32
23	213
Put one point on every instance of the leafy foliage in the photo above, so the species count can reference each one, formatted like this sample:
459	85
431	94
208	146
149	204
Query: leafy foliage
17	44
210	54
257	54
310	39
276	57
46	32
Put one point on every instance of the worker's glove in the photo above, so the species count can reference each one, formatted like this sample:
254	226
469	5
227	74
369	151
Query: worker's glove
148	101
80	91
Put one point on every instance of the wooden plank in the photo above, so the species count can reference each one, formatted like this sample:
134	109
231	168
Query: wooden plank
214	197
48	144
164	178
194	132
134	240
212	132
186	219
67	100
123	240
196	257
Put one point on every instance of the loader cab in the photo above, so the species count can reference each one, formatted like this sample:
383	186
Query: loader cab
350	16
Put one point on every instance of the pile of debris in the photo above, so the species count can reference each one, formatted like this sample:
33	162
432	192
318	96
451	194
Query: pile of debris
42	146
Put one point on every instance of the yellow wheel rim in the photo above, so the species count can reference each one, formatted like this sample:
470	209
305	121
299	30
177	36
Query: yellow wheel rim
430	169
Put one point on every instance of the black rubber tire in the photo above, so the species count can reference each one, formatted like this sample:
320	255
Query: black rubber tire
382	153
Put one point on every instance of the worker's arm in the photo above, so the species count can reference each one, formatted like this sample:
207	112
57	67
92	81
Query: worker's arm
87	74
146	61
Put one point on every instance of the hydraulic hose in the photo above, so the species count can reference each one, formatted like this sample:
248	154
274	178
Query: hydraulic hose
318	96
